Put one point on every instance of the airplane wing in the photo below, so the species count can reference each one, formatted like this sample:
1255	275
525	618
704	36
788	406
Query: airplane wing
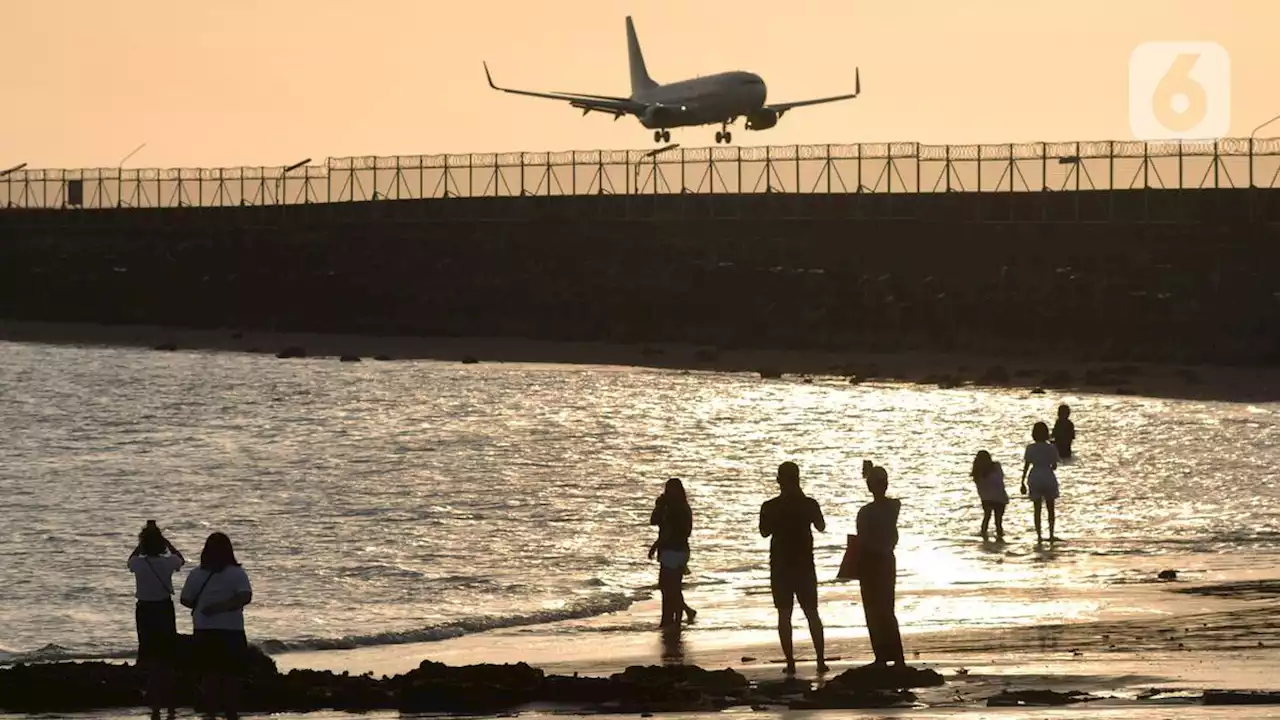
781	108
615	106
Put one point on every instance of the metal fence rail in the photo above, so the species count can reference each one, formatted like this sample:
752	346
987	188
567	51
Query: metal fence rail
897	168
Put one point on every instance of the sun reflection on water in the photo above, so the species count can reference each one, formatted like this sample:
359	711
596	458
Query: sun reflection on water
421	499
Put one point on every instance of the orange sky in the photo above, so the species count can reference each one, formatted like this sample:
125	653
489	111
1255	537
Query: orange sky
240	82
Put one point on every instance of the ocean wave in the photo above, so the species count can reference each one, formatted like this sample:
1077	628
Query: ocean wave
592	607
587	608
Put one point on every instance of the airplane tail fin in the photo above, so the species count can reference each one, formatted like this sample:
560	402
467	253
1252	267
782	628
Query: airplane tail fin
640	80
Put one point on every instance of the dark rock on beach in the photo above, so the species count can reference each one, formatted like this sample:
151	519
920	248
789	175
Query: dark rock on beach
1232	697
431	688
872	677
436	687
1038	698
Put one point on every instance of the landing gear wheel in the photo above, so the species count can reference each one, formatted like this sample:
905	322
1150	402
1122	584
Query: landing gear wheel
666	136
657	136
728	137
719	137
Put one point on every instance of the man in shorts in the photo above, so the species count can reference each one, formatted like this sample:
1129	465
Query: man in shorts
786	520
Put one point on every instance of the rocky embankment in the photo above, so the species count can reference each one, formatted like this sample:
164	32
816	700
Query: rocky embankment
437	688
490	689
1195	293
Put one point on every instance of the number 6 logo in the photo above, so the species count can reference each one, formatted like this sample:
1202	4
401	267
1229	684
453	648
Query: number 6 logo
1179	91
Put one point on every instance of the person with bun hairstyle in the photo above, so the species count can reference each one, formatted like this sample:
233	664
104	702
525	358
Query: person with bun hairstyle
153	562
877	525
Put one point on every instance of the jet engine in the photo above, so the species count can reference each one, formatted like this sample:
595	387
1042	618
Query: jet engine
762	120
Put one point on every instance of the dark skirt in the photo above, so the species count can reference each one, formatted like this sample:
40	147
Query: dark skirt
157	631
221	652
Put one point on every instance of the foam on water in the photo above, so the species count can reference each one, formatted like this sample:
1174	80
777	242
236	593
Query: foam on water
410	501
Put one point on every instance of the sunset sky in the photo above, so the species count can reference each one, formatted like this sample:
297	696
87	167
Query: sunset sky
236	82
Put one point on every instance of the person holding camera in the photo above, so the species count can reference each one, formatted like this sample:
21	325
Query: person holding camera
153	563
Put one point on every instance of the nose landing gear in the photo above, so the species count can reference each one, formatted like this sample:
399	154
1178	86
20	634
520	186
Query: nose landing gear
662	136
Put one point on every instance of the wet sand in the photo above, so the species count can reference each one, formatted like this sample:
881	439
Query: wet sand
1232	384
1222	636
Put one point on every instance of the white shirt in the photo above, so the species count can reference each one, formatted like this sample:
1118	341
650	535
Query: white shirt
1042	456
154	575
222	585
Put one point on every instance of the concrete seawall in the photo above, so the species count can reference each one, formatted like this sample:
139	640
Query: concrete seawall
1159	275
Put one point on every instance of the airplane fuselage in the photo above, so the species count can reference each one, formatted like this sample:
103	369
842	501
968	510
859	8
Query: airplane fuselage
708	100
718	99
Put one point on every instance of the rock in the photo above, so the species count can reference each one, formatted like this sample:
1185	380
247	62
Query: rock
1168	575
436	687
836	698
770	373
1037	391
1037	698
293	351
884	677
166	347
469	360
382	358
349	358
1238	697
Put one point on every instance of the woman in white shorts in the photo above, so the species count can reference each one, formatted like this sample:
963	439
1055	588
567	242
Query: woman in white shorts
1039	482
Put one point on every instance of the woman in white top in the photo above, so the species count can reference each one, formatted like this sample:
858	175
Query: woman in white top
1038	479
153	571
217	592
988	477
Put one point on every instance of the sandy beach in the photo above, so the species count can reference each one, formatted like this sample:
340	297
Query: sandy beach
1236	384
1218	636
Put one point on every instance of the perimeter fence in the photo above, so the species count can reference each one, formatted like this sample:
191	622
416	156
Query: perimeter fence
889	168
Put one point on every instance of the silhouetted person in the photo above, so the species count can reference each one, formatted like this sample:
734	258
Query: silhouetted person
786	520
217	592
1064	433
988	477
1039	482
674	518
878	567
153	563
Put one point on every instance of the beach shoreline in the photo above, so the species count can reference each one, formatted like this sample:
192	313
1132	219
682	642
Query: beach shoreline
1202	383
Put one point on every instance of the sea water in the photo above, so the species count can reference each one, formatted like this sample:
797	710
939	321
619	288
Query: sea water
389	502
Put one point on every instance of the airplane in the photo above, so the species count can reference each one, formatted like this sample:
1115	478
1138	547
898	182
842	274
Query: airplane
718	99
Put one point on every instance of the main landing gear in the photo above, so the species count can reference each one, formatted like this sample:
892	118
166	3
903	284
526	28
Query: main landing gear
662	136
723	135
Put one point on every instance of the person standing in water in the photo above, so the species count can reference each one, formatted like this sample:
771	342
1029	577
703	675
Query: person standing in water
1039	482
786	520
878	567
988	476
1064	433
153	563
674	518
